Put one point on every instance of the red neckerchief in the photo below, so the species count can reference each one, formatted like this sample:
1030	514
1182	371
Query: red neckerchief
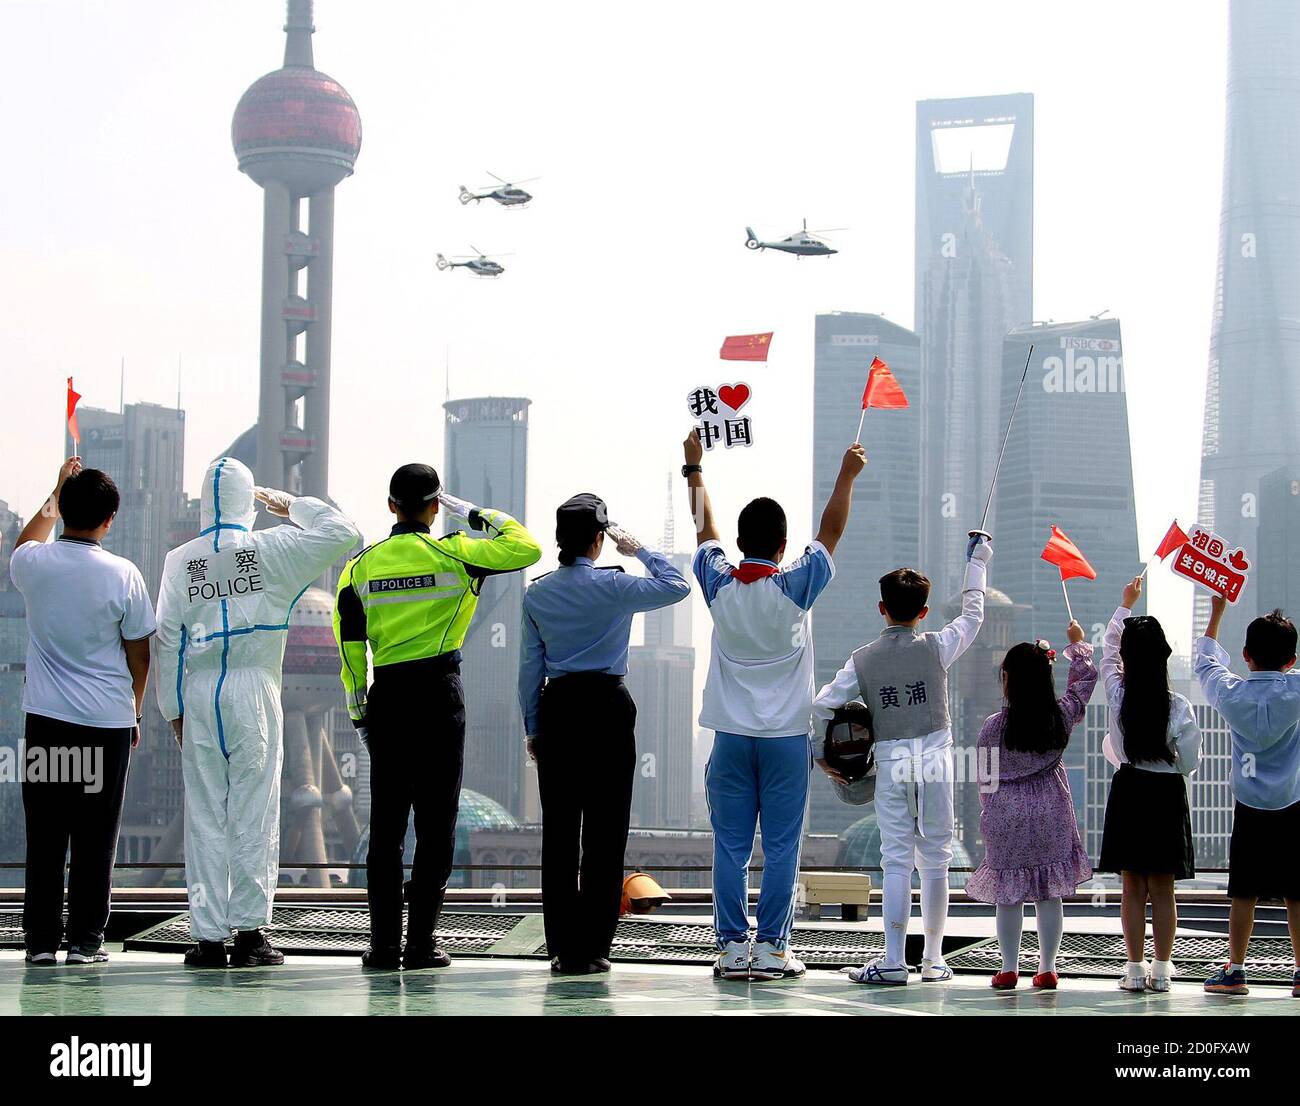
749	571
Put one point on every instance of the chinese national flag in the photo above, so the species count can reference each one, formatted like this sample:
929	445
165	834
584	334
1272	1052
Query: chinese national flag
883	389
1172	540
1063	553
746	347
72	413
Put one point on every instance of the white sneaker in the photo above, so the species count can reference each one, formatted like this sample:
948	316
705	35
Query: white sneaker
1160	976
733	961
1134	977
935	971
880	973
42	959
769	962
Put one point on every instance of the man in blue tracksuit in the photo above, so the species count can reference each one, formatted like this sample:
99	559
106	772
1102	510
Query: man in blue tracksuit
758	700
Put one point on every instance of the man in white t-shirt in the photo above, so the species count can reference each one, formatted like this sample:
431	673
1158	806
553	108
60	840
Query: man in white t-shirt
758	699
89	621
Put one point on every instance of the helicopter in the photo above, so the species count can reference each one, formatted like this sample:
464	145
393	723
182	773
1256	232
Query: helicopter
477	263
509	195
802	243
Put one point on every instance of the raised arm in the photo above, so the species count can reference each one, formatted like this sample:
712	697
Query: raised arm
508	547
662	586
957	636
1080	680
41	525
835	517
701	508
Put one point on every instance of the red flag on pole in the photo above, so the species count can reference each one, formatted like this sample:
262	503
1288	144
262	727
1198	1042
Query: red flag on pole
883	390
72	413
746	347
1173	539
1063	553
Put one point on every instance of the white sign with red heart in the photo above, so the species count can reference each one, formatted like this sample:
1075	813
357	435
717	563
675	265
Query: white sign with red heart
717	412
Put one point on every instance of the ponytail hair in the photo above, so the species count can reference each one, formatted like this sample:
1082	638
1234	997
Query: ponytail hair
574	545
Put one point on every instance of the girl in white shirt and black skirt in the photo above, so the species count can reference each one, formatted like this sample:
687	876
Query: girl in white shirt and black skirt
1154	742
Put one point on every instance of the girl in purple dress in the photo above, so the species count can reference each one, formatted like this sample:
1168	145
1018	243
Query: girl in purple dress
1033	851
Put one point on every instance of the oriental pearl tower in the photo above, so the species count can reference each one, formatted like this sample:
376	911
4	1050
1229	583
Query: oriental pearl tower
296	133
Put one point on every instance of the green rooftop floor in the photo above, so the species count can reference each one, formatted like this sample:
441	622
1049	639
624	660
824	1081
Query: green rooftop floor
135	983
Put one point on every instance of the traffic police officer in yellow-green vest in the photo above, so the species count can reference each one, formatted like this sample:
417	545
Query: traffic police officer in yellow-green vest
409	599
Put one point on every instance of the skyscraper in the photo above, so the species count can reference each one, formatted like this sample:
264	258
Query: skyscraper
486	462
882	533
296	133
13	671
974	282
1252	391
1276	577
1067	464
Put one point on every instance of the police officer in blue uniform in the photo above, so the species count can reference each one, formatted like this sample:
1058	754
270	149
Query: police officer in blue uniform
580	721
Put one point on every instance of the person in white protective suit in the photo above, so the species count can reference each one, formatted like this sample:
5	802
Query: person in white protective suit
223	616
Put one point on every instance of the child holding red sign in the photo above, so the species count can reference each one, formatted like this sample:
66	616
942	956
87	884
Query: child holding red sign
1263	712
1154	743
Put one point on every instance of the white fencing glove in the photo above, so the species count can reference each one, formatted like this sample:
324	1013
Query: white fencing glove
276	502
461	508
980	547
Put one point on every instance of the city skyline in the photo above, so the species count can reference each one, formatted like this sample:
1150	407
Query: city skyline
378	369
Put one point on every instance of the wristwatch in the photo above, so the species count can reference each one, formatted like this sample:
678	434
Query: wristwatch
688	469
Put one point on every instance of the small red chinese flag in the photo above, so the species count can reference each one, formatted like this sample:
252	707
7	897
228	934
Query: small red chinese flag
72	413
746	347
883	389
1063	553
1172	540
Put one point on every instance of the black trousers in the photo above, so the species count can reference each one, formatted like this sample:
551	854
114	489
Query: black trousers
73	785
586	763
415	718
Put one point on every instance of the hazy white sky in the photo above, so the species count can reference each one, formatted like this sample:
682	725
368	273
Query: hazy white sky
660	131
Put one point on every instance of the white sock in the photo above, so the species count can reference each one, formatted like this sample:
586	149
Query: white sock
1050	917
1236	967
1010	923
934	914
896	911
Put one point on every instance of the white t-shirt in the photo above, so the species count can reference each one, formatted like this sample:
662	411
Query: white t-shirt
760	681
82	602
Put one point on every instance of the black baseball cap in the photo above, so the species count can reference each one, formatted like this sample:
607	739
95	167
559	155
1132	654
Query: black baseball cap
413	487
581	516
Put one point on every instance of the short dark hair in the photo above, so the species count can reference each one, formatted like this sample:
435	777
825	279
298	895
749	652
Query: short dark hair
1271	640
88	500
761	528
904	592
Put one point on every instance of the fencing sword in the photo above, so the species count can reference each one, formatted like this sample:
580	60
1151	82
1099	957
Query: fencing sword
981	532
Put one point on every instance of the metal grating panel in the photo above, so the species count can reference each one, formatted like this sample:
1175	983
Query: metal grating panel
347	930
1269	959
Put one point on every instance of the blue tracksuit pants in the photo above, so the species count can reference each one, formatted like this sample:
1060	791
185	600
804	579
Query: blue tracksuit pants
756	783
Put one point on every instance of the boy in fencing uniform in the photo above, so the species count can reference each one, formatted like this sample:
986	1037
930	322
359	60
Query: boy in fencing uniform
902	680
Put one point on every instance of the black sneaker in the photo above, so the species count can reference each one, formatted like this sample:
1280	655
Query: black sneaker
253	950
382	959
577	967
87	954
206	954
429	957
41	959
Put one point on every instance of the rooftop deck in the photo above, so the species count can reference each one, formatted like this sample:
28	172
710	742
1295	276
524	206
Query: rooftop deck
149	982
